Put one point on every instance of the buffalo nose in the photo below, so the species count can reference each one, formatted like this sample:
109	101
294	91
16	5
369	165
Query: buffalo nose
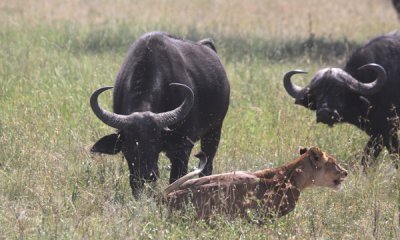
153	178
324	115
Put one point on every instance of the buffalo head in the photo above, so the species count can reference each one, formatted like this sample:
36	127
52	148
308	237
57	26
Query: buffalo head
139	133
335	95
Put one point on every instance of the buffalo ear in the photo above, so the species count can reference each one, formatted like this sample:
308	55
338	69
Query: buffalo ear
208	43
303	150
307	102
110	144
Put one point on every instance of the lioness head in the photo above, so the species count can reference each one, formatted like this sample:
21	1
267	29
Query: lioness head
326	171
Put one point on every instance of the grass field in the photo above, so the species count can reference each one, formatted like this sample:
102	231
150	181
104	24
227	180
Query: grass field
53	54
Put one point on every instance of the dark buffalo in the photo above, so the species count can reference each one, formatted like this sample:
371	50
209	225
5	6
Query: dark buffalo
364	93
396	5
168	94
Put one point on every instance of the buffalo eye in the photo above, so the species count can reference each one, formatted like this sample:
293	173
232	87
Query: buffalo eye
303	102
307	101
311	105
365	102
311	102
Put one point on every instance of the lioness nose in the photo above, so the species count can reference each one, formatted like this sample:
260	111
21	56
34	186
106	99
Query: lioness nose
345	173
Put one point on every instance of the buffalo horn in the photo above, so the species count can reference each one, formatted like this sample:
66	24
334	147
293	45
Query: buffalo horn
293	90
163	120
176	115
365	88
111	119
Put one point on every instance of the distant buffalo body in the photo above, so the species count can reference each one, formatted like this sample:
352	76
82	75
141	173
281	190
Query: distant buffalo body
396	5
169	93
365	93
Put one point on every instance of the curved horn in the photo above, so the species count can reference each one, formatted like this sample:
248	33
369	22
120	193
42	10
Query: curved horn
163	119
169	118
291	88
365	88
111	119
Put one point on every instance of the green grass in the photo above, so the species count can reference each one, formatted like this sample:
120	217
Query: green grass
54	54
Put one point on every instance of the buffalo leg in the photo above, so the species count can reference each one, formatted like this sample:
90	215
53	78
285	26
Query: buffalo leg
392	145
391	139
372	149
179	163
395	146
209	145
135	181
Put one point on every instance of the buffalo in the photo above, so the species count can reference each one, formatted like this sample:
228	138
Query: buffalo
364	93
168	94
396	5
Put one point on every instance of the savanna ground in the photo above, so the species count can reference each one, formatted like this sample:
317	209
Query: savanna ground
53	54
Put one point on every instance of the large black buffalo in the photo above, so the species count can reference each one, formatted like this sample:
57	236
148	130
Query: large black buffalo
168	94
365	93
396	5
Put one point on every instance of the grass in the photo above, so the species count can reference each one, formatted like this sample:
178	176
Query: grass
53	54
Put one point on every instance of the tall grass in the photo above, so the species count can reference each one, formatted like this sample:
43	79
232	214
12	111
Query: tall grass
53	54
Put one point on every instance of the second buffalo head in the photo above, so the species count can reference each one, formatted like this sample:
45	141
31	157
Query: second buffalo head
335	95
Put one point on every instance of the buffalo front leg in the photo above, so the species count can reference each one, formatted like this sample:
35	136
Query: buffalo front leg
179	163
392	144
135	181
209	145
372	149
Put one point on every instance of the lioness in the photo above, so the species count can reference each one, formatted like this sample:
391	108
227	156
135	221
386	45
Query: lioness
270	192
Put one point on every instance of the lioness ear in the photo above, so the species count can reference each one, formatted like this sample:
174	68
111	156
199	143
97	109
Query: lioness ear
303	150
315	154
